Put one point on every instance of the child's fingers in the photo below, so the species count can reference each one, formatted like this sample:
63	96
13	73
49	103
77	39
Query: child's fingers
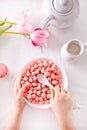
57	91
62	89
21	92
52	94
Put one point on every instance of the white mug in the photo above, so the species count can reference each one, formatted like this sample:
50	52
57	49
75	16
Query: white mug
72	49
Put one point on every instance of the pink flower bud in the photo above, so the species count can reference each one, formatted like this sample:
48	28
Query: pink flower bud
39	37
23	18
23	22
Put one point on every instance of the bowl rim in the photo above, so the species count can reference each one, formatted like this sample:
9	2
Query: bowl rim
65	81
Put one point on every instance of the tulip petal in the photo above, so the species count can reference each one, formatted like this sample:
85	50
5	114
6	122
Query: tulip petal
39	37
24	23
34	43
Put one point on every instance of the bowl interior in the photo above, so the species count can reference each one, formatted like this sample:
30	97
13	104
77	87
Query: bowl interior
65	83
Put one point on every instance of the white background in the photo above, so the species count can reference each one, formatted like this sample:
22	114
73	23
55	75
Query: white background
16	51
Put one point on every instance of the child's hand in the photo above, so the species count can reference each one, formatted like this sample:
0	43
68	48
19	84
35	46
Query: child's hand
61	102
19	105
18	98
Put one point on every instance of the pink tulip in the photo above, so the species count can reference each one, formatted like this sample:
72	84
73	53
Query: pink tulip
23	21
39	37
25	28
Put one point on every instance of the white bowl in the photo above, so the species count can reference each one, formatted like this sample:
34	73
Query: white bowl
65	83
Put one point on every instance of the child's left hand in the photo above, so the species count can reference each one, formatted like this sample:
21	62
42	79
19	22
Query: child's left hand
19	105
19	102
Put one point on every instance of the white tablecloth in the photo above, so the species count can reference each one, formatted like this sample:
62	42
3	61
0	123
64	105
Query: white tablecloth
16	51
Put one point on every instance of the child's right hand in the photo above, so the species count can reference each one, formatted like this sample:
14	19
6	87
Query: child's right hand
61	102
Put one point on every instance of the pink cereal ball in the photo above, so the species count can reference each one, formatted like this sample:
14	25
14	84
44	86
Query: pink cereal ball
43	86
25	78
27	87
39	61
23	86
34	102
43	95
3	70
30	80
39	86
60	76
48	69
38	93
34	84
30	91
31	64
48	96
33	96
35	88
31	88
45	63
41	102
46	102
54	82
30	99
28	67
35	66
29	96
34	91
33	73
32	69
37	71
44	90
49	78
42	71
34	78
28	74
22	82
53	76
53	66
47	74
37	99
59	81
40	98
56	77
54	71
40	64
50	63
48	91
26	83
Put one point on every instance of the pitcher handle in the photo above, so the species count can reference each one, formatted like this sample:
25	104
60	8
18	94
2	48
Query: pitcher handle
45	21
85	44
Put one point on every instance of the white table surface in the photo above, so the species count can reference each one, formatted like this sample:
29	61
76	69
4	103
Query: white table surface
15	52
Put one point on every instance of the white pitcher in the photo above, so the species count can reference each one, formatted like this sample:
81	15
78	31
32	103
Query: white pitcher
63	12
72	50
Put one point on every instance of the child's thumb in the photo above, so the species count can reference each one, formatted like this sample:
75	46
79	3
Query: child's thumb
21	92
52	94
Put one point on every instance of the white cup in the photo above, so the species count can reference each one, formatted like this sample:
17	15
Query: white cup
72	49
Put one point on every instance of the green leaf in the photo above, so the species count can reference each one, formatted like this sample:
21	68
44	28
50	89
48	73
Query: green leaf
4	28
2	23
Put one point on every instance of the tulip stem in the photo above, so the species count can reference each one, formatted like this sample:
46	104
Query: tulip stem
12	23
25	34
